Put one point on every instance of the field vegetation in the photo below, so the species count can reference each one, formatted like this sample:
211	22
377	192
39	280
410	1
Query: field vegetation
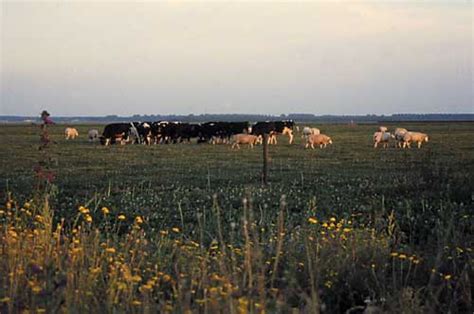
189	228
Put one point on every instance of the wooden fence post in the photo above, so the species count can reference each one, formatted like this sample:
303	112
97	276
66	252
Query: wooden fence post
265	160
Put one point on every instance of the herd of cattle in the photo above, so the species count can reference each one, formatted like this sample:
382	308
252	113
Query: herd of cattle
403	138
235	133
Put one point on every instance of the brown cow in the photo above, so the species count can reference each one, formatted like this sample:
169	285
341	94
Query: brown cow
417	137
71	133
318	139
242	138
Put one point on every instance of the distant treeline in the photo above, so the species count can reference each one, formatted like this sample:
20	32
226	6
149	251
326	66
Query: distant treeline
250	117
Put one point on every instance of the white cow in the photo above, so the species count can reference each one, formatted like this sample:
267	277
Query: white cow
307	131
93	135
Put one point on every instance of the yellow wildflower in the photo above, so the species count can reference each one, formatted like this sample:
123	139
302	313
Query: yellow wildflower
36	289
95	270
243	302
175	229
402	256
88	218
136	278
83	210
312	220
447	277
105	210
333	219
146	287
121	217
394	254
138	220
136	302
110	250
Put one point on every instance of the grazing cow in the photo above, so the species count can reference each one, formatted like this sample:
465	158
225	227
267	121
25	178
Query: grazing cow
141	131
187	131
222	131
272	128
115	132
210	132
307	131
417	137
381	138
157	130
318	139
71	133
93	135
174	132
249	139
233	128
398	135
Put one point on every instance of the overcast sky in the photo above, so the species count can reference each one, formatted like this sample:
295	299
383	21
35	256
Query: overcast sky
97	58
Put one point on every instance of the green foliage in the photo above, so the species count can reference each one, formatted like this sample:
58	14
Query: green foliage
409	246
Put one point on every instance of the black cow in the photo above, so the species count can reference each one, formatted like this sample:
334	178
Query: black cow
187	131
169	132
172	132
209	131
213	131
142	132
232	128
272	128
156	130
115	131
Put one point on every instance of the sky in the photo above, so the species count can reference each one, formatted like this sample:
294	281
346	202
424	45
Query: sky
331	57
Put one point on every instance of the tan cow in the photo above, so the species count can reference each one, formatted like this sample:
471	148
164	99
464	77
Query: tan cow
381	138
383	129
318	139
398	135
71	133
417	137
242	138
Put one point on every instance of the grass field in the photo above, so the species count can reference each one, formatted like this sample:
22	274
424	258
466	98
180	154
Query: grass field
199	233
